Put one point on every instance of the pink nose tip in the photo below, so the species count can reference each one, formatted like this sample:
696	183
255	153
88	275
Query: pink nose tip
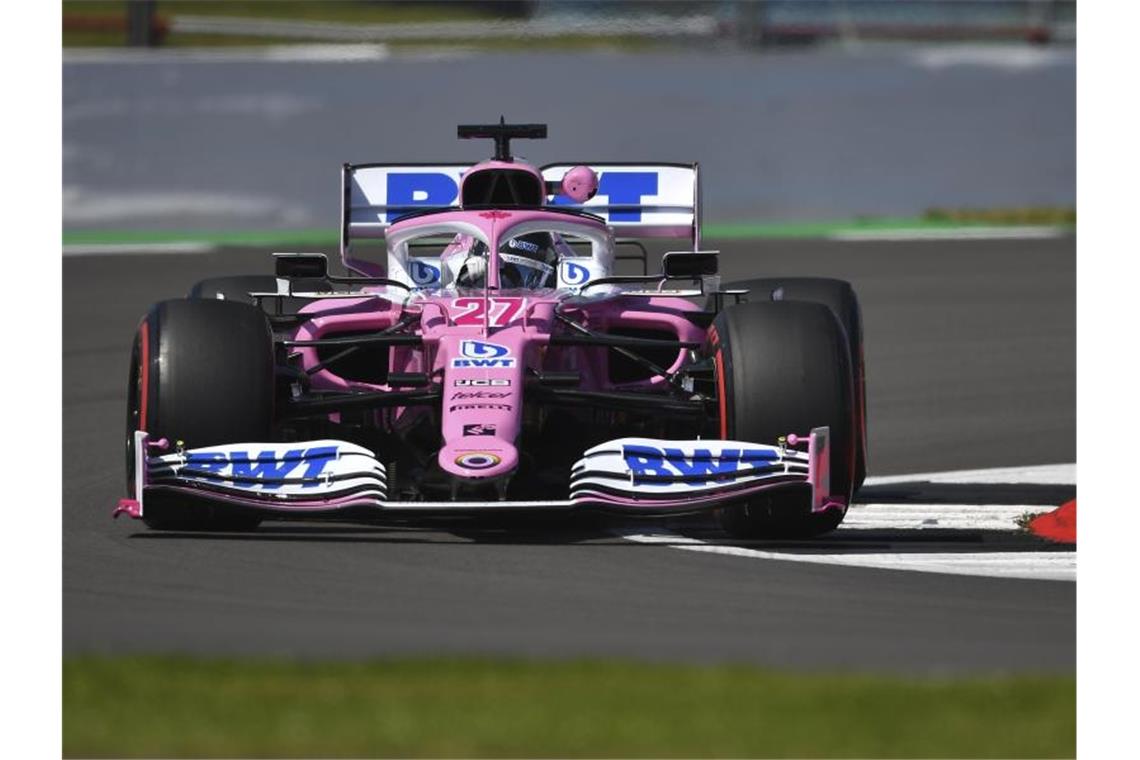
580	184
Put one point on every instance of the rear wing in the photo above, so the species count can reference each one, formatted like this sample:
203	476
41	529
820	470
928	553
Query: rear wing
636	199
641	200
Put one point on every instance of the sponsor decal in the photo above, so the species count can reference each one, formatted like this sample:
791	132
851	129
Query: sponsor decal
699	466
263	470
481	353
524	245
478	429
523	261
423	273
477	460
574	274
411	190
497	407
492	382
462	395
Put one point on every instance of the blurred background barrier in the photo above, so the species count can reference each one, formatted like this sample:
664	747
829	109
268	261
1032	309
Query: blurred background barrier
873	120
746	22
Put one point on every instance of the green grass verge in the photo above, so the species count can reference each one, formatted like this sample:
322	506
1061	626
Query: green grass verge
1054	215
177	707
315	237
712	231
939	220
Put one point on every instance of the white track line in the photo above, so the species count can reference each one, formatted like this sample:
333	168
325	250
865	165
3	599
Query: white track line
1050	566
1035	565
940	517
1045	474
950	233
111	249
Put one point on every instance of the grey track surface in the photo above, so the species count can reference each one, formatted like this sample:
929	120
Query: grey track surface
971	363
811	134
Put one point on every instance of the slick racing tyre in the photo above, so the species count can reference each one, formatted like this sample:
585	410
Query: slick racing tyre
839	296
201	373
785	367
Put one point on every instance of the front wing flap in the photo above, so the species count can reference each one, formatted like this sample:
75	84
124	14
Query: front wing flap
644	472
306	475
640	475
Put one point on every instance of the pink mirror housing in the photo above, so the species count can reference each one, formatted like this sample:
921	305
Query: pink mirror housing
580	184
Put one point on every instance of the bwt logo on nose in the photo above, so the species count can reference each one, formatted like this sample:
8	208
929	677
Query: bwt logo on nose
479	353
265	470
649	464
409	191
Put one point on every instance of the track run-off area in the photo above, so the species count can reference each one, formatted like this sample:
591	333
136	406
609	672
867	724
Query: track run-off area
970	356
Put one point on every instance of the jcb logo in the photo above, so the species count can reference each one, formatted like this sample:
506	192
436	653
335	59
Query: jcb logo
482	382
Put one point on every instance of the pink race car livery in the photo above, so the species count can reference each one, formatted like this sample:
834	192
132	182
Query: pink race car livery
488	357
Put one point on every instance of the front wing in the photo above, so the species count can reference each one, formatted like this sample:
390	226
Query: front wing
329	477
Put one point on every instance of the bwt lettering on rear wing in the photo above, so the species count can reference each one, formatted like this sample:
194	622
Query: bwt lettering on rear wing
636	199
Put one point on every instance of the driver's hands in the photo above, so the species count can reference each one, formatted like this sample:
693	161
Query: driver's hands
474	272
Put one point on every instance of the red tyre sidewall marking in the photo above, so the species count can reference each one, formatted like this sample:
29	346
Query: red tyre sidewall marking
718	364
718	361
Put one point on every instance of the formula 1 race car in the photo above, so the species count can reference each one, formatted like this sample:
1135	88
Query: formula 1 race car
490	359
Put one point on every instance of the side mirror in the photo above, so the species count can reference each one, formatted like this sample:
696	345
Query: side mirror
689	264
302	265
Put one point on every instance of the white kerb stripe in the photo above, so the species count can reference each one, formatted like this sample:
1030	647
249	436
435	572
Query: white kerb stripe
939	517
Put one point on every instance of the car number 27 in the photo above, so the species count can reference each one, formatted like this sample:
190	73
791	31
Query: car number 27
473	310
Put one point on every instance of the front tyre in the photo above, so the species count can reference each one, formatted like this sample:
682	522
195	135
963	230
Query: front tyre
785	367
201	373
839	296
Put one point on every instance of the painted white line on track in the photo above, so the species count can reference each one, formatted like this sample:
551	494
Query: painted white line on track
949	233
1034	565
1050	566
940	517
112	249
1045	474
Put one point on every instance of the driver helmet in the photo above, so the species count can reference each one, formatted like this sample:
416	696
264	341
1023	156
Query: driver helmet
528	261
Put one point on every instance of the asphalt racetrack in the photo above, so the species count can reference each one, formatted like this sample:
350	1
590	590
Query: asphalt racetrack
970	364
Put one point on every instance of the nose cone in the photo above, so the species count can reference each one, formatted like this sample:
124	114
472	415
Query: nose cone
482	403
478	457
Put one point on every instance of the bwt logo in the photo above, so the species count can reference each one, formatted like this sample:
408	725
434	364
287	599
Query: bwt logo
423	273
574	274
435	189
266	470
478	353
649	464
